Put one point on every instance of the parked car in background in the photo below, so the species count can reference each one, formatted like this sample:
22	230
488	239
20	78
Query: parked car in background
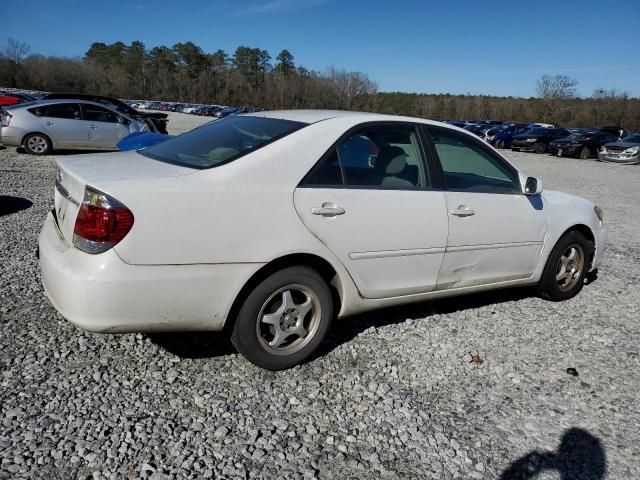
490	135
157	122
46	125
580	145
478	129
110	263
490	122
138	140
540	125
625	151
618	132
504	137
537	139
456	123
14	98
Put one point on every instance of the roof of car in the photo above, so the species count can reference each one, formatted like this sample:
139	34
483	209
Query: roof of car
313	116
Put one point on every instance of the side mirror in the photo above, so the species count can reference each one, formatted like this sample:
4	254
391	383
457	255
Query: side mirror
123	121
533	186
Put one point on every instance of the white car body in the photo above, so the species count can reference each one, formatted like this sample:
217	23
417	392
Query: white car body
200	235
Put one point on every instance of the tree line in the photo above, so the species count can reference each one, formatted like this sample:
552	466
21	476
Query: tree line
250	76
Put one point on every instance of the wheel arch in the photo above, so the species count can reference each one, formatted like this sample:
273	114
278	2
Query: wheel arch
586	232
317	263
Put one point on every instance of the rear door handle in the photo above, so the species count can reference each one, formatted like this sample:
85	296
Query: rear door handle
50	123
462	211
328	210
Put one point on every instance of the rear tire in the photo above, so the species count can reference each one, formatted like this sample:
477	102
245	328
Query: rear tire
37	144
540	147
284	319
499	144
566	268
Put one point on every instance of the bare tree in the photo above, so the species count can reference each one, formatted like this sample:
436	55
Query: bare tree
15	53
554	90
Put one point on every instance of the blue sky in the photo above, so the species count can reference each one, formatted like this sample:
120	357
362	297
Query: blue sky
457	46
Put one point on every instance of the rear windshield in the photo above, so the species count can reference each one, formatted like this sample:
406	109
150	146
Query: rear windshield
221	141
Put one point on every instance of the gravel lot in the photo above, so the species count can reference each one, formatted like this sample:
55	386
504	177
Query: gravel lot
393	394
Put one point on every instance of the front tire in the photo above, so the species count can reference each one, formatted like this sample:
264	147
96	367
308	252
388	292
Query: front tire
37	144
284	319
566	268
540	147
584	154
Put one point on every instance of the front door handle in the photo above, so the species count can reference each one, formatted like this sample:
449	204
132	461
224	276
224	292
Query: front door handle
328	210
50	123
462	211
93	127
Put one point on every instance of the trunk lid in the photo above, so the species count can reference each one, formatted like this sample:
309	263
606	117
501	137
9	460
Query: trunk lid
99	171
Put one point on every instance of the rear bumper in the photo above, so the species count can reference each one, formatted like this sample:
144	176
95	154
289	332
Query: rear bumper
101	293
11	136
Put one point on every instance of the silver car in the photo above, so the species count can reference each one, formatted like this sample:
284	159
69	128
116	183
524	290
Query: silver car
42	126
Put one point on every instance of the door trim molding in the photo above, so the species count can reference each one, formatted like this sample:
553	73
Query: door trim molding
396	253
492	246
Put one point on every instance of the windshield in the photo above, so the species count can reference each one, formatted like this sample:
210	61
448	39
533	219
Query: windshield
632	138
576	136
221	141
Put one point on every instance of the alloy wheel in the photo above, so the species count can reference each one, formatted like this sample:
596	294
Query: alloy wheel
288	319
37	144
570	267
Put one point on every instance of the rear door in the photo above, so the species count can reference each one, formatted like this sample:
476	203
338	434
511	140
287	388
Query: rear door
62	122
496	233
104	127
369	200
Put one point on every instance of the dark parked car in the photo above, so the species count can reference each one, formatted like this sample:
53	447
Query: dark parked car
157	121
504	137
580	145
618	132
625	151
478	128
456	123
490	122
538	139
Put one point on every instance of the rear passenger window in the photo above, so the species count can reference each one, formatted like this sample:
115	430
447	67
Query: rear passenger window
93	113
380	156
69	111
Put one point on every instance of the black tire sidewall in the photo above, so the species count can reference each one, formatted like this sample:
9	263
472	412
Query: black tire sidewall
540	147
244	336
25	144
548	287
585	157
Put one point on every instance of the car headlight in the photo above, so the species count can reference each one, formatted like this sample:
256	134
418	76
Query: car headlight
599	212
632	150
531	140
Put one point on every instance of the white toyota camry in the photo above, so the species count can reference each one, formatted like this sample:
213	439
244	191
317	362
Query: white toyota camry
273	223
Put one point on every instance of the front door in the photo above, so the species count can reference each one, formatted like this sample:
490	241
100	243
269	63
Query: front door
496	233
368	200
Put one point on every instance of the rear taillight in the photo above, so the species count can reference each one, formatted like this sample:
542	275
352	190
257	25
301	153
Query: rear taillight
101	223
5	118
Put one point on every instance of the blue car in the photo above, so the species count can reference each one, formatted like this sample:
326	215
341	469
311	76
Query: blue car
504	137
138	140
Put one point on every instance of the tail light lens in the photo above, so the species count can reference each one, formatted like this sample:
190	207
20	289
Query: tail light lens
5	118
101	223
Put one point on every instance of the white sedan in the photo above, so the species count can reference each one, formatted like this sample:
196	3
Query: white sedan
271	224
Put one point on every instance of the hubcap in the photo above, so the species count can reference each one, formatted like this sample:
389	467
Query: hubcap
570	267
37	144
288	320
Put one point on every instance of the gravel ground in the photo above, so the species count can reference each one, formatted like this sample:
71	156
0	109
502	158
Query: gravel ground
473	387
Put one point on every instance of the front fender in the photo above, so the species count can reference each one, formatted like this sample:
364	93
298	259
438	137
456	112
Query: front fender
567	212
